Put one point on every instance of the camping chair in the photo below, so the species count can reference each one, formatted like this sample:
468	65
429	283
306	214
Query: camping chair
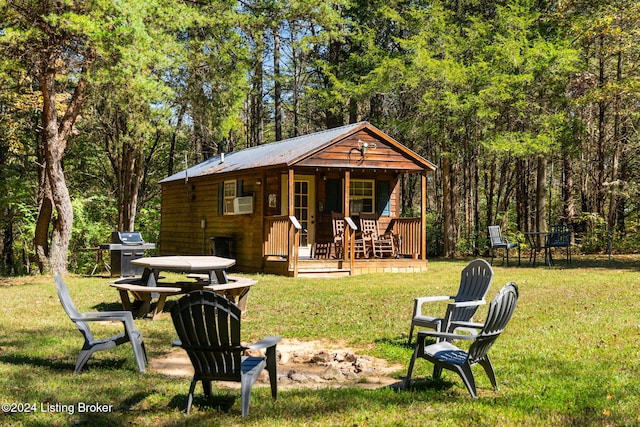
444	355
499	242
208	327
558	237
474	283
380	245
91	345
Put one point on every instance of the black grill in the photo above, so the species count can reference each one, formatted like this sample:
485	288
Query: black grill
126	246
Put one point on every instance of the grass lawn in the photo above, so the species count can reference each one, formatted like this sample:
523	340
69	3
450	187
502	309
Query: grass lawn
570	356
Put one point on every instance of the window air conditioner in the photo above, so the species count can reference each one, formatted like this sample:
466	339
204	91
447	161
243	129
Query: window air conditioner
243	205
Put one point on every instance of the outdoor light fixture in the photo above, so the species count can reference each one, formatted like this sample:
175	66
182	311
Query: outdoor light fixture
364	146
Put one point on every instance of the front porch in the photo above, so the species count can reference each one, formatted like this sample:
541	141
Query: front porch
282	254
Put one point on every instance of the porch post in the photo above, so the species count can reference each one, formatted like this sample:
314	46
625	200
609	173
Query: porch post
291	186
347	213
293	248
423	216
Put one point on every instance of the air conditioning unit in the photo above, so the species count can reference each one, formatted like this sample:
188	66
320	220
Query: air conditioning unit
243	205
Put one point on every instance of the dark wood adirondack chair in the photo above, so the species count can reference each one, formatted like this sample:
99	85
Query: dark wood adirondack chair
92	345
208	327
475	280
445	355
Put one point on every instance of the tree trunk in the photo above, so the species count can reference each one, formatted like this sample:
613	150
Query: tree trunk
333	116
174	140
541	199
476	206
447	214
568	205
256	130
601	142
615	161
55	141
277	85
490	189
521	195
130	178
45	212
8	262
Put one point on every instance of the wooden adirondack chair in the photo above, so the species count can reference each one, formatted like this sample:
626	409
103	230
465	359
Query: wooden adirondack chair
339	230
208	327
381	245
475	280
92	345
337	220
444	355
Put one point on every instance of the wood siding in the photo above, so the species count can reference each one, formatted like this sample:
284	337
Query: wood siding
345	154
186	204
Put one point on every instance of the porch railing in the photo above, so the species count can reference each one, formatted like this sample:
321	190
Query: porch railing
282	239
408	232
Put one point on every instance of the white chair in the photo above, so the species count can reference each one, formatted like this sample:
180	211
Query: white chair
92	345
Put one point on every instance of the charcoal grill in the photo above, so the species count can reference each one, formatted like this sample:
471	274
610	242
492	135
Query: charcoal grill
126	246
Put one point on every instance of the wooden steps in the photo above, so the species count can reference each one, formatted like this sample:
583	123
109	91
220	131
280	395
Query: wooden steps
323	272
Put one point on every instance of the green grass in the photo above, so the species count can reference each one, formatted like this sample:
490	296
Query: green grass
570	356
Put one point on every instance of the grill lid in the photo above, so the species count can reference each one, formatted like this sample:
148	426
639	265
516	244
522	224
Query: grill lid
127	237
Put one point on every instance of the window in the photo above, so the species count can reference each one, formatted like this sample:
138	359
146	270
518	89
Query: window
229	196
361	196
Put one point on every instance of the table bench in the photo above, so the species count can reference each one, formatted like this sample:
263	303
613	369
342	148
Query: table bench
237	290
144	294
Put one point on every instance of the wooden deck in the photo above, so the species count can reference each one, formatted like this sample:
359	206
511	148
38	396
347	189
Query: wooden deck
308	267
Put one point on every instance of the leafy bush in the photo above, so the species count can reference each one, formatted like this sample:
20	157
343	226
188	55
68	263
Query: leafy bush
92	225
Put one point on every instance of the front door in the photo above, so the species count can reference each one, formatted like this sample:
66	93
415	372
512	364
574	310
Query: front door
303	205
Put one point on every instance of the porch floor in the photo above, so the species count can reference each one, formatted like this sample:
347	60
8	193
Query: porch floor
311	267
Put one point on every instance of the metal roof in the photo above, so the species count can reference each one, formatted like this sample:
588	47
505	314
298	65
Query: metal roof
281	153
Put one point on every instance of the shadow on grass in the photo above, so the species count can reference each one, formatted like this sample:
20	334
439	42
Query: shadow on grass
399	342
215	402
18	359
428	384
117	306
599	261
106	364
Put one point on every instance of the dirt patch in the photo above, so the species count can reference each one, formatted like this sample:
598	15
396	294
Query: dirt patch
304	364
19	281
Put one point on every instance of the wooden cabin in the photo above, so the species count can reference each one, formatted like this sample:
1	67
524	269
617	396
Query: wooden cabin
270	207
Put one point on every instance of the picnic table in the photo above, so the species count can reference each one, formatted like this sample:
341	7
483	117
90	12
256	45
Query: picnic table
215	267
537	242
209	273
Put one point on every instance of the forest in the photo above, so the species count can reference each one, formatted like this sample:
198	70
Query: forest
528	108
